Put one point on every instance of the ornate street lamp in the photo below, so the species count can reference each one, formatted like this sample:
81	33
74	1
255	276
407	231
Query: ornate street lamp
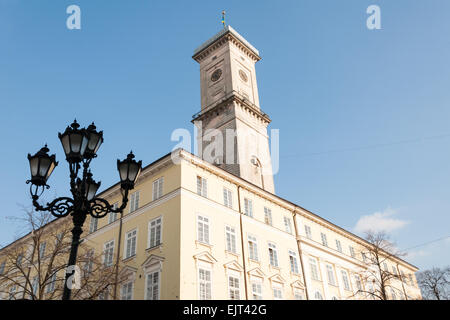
80	147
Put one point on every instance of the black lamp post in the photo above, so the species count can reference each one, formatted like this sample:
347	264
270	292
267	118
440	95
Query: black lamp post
80	147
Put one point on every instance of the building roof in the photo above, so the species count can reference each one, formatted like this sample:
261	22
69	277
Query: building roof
218	35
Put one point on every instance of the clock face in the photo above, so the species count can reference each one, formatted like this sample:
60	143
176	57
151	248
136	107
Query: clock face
216	75
243	75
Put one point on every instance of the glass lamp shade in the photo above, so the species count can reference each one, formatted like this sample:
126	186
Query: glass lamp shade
129	170
41	166
95	140
91	187
74	142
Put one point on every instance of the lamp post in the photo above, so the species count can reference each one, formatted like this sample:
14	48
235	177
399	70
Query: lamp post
80	147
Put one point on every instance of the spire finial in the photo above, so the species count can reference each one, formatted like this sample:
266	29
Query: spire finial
223	18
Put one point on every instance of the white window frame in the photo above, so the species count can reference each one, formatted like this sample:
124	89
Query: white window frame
268	216
113	215
129	293
338	245
227	198
230	239
273	254
158	186
314	269
279	289
352	251
134	201
202	186
308	232
318	295
257	283
287	224
345	280
108	253
324	239
293	262
152	229
248	207
203	236
42	247
125	253
253	252
205	283
330	275
158	285
234	293
51	285
93	225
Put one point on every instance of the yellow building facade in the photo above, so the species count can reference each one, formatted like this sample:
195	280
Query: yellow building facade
201	229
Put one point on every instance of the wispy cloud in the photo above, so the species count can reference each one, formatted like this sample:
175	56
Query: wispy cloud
379	221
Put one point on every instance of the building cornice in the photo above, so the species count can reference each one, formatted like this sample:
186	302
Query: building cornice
224	36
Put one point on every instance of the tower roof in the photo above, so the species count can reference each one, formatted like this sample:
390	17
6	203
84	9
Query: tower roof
220	34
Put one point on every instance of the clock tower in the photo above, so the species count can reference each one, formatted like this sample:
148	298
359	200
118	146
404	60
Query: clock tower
232	128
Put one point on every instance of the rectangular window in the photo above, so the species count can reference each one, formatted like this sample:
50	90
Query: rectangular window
233	288
248	207
202	187
287	225
153	286
19	260
108	253
352	251
345	280
358	282
103	295
227	198
323	236
113	215
385	267
42	250
127	291
203	229
298	294
35	285
277	293
88	265
394	270
231	239
338	246
267	216
253	248
93	225
155	232
411	281
273	255
158	188
52	282
2	267
293	262
204	277
313	268
364	257
256	290
134	201
330	275
12	292
308	232
130	244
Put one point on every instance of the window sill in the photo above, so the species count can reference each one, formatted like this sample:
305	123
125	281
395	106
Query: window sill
203	244
232	253
129	258
254	261
159	246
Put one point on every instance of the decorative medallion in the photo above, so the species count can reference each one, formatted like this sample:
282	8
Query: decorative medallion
216	75
243	75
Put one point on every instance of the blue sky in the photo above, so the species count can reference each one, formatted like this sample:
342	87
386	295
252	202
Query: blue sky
363	115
